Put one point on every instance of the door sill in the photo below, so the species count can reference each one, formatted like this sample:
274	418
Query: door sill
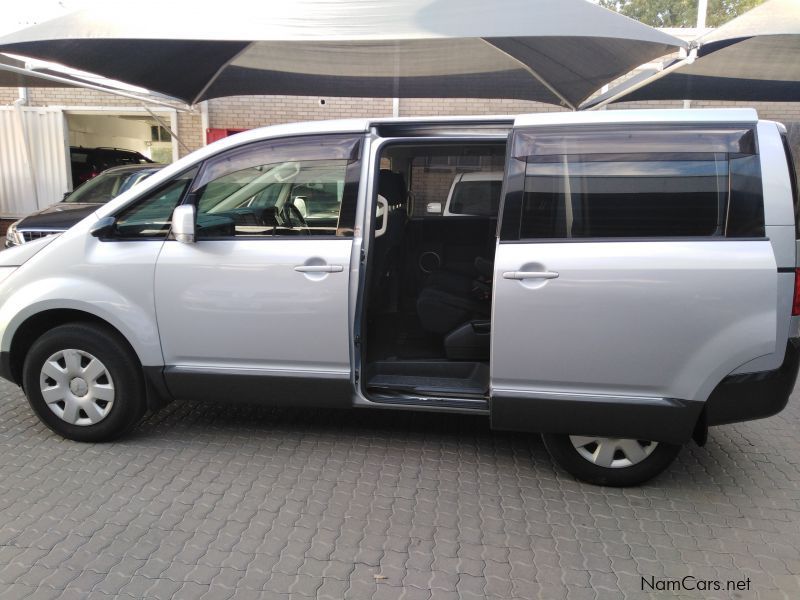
438	384
477	405
440	378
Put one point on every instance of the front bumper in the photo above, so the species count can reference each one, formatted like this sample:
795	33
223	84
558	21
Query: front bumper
752	396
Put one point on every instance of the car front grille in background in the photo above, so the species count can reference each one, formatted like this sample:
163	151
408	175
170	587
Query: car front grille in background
31	235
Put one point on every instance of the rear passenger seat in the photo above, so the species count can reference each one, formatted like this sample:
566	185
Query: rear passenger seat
451	302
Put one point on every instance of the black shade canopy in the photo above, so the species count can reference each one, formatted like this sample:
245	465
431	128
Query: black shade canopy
12	75
755	57
556	51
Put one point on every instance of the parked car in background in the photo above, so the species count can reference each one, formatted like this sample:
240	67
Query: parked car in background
90	162
643	283
75	206
472	194
475	194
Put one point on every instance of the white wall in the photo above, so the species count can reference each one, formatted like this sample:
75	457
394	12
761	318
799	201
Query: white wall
33	159
92	131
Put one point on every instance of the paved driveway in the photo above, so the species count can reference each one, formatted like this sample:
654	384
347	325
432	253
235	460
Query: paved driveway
212	501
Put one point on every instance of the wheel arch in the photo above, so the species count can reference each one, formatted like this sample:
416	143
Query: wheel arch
38	323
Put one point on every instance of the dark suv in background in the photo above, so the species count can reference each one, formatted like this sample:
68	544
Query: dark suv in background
90	162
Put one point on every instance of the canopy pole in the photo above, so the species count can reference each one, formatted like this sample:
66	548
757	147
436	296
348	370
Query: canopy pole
87	85
654	77
167	127
530	71
702	12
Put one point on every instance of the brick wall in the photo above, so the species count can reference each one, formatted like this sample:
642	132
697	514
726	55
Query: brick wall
190	132
74	97
417	107
8	95
256	111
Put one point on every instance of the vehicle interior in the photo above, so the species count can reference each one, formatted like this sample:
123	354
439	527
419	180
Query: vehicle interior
289	198
429	284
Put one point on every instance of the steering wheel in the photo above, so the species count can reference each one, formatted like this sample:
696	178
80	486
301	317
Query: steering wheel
292	217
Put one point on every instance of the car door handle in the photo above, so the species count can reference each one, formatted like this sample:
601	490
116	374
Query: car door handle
520	275
319	268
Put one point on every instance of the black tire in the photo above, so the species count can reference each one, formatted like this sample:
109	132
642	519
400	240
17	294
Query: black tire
129	402
567	456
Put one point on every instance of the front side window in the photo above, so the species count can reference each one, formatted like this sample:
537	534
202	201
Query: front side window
288	198
151	216
300	187
641	185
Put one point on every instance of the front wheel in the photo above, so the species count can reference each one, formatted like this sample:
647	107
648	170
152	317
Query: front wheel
615	462
84	382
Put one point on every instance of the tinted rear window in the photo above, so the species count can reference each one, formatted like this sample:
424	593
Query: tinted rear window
655	191
480	198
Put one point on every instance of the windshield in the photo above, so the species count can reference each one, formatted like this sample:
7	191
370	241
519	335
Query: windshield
104	187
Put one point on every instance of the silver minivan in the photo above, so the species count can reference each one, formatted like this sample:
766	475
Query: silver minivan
636	284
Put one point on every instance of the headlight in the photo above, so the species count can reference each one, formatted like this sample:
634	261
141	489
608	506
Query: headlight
14	237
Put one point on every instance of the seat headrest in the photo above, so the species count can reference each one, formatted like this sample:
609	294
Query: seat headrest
392	186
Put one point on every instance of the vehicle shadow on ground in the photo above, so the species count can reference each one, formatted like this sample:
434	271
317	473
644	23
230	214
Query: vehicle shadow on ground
215	423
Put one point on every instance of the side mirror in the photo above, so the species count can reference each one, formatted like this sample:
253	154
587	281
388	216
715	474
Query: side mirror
433	208
183	220
103	227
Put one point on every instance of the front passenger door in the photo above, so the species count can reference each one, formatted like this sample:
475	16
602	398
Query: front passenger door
257	308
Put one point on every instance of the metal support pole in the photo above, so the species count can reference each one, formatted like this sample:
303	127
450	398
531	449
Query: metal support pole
702	11
655	76
167	127
88	86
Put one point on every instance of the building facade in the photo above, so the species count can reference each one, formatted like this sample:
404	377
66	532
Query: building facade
102	119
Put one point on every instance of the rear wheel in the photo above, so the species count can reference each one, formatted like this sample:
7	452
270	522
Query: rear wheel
610	461
84	382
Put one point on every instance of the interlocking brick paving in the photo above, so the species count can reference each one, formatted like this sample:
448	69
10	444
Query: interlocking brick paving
219	501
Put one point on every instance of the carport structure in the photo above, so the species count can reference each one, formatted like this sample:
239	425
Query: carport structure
554	51
755	57
35	141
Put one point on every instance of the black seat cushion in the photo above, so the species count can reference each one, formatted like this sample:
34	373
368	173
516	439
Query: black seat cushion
440	311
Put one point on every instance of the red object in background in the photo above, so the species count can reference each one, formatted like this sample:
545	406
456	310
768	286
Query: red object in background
86	177
216	133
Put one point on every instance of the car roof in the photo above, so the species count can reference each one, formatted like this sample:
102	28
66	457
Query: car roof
673	115
133	168
104	148
364	125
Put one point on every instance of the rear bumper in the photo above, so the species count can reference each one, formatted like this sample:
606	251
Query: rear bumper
754	395
661	420
737	398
